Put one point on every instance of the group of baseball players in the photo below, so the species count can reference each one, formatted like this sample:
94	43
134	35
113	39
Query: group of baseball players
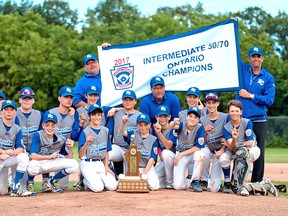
180	149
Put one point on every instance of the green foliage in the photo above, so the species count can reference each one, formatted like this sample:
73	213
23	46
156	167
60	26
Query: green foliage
277	132
36	54
40	48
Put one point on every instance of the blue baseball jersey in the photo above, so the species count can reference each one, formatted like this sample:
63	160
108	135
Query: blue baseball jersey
66	125
10	137
147	146
40	142
245	131
186	139
82	138
30	123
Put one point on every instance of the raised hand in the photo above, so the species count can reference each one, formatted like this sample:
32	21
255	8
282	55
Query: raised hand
90	138
157	126
69	143
208	128
200	105
125	119
235	133
71	111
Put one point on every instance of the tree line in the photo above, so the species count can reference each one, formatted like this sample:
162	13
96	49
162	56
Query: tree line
42	45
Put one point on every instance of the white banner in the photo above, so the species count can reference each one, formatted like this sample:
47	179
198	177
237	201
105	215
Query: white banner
206	58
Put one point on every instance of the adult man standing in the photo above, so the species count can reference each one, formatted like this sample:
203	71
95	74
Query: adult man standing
92	76
159	96
257	95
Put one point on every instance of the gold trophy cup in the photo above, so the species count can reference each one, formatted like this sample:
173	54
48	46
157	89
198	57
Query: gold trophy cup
131	182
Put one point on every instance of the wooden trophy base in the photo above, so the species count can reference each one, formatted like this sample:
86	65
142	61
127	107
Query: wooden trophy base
133	184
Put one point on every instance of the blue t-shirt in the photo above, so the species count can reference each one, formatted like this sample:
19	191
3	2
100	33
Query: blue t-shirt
82	84
148	105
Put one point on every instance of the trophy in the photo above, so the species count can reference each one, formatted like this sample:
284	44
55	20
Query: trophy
132	182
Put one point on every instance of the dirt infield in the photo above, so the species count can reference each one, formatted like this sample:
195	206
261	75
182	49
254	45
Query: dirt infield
162	202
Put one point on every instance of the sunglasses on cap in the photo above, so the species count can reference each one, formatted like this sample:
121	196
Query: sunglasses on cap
27	93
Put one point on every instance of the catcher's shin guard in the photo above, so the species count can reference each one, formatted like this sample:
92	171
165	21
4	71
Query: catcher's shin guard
241	165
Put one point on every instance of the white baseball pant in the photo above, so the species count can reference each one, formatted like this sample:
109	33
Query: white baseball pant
197	158
164	170
95	178
117	154
153	181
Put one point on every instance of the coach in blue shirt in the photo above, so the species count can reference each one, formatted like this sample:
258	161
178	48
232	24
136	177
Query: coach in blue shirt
256	96
159	96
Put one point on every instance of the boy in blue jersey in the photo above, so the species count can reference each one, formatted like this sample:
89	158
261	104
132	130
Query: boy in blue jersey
240	139
162	129
11	151
119	147
217	155
93	147
26	117
66	122
147	144
51	153
189	137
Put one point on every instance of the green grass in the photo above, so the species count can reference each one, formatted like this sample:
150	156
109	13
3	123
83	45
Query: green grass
276	155
38	186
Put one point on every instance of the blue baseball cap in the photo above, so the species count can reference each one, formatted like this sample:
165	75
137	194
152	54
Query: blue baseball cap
50	117
2	95
255	50
65	91
143	118
163	110
88	57
8	103
157	80
27	92
193	91
195	111
211	96
94	107
92	90
129	94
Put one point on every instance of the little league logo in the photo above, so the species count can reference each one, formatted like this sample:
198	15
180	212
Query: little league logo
122	76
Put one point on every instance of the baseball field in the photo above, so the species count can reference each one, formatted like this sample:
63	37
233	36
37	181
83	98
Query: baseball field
162	202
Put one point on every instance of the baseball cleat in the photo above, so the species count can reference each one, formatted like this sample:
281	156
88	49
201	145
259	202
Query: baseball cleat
55	185
227	188
46	187
242	191
20	191
272	189
80	186
203	185
195	187
169	186
30	187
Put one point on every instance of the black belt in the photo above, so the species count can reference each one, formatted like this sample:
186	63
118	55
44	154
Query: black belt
93	160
